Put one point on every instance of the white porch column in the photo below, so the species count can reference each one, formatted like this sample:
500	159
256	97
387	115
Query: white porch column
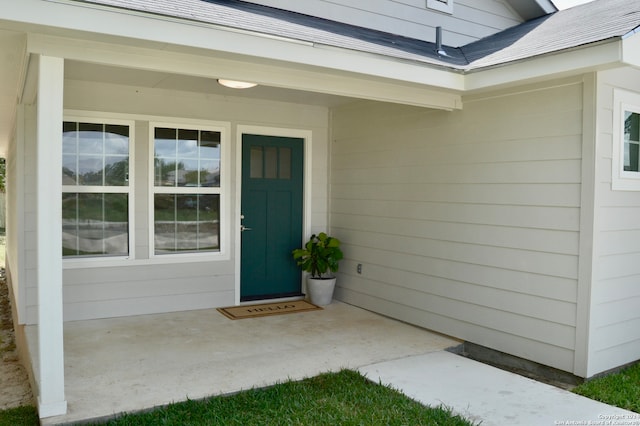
51	399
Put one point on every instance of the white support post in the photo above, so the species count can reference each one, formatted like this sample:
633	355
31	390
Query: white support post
51	398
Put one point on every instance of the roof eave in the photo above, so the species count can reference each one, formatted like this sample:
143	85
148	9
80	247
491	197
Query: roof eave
587	58
529	9
631	48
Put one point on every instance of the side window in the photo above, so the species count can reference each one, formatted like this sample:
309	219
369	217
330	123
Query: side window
445	6
186	189
626	141
631	141
95	188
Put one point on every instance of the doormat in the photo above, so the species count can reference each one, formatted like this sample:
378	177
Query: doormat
266	309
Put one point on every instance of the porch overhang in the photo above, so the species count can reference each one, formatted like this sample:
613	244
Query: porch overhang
136	40
264	71
127	38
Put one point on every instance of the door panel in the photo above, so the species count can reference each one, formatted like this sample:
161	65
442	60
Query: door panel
272	201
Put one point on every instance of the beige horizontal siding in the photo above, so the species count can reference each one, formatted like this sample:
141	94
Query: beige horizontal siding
615	294
510	343
547	241
471	20
141	287
466	222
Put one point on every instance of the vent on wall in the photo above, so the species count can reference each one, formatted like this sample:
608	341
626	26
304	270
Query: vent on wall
445	6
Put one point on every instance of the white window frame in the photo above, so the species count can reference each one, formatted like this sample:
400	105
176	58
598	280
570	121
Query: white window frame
222	191
622	180
445	6
98	118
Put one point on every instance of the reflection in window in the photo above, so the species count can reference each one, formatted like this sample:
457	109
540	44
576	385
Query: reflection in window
631	141
95	154
186	222
95	224
95	198
185	157
186	202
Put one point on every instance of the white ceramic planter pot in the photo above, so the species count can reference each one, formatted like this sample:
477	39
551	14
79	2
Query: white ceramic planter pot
321	291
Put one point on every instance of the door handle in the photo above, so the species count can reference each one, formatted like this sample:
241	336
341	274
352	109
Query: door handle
244	228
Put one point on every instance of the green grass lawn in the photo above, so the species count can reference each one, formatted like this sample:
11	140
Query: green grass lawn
23	416
343	398
621	389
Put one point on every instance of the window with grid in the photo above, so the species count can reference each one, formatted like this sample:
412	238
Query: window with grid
631	141
95	188
626	141
186	189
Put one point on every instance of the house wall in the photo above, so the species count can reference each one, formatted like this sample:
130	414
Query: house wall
140	286
471	19
466	222
20	225
615	295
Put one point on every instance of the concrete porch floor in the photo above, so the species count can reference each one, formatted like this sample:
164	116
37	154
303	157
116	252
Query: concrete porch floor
127	364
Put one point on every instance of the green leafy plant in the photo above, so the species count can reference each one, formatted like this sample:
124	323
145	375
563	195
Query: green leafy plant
319	255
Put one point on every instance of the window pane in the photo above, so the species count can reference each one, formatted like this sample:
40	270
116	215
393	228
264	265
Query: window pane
192	160
95	155
631	126
209	159
69	153
165	172
69	170
187	143
210	173
90	138
116	140
165	142
186	223
116	171
95	224
631	141
164	223
69	138
69	224
256	163
285	163
210	145
90	170
208	222
271	162
188	176
632	152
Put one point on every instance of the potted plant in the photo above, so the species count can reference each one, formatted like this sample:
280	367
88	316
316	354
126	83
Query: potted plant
319	256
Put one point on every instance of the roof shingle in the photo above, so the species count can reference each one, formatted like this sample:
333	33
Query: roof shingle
589	23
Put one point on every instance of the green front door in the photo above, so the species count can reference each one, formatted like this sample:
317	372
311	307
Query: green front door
272	199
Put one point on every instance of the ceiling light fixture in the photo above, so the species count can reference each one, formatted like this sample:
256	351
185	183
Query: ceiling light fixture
236	84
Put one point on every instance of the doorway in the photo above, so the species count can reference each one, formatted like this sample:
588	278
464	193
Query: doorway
272	216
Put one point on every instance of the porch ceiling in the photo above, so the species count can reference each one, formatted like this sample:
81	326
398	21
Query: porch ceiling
83	71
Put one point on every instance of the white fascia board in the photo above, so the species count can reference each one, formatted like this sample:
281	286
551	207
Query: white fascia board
631	49
269	73
67	18
593	57
547	6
